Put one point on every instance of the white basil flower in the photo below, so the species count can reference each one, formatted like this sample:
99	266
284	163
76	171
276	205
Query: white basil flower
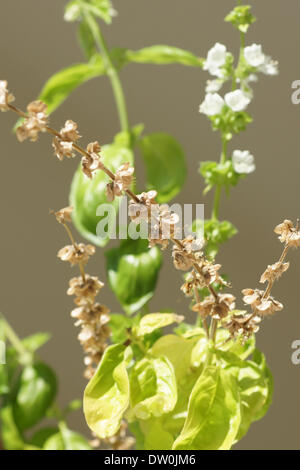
237	100
269	67
254	55
216	58
243	162
212	105
212	86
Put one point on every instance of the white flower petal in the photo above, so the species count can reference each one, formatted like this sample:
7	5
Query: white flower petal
237	100
254	55
243	162
212	104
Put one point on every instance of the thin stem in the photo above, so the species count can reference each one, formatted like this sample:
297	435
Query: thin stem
111	72
217	197
198	301
15	340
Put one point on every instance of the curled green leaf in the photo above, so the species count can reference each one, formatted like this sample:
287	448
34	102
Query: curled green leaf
106	396
213	417
161	54
133	270
165	165
35	392
89	200
153	388
153	321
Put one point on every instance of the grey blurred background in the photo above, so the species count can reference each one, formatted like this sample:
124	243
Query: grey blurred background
35	42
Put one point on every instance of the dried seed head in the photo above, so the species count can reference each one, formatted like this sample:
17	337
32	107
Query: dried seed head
87	289
36	122
91	162
62	149
225	304
243	324
205	307
142	211
69	131
76	254
5	96
64	215
122	182
259	304
274	272
288	234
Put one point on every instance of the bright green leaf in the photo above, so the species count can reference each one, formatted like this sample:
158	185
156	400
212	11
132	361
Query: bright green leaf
213	413
156	437
106	396
88	194
153	321
35	391
165	165
178	350
72	440
132	272
10	435
153	388
161	54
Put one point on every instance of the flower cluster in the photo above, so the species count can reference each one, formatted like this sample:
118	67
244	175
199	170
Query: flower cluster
35	122
261	302
90	316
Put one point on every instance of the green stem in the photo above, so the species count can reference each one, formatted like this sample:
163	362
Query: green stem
111	72
15	341
216	205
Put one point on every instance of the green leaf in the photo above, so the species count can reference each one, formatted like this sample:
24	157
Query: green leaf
255	385
132	272
34	342
10	435
119	324
242	350
259	359
156	437
4	385
161	54
35	391
106	396
153	321
42	435
86	39
88	194
178	350
165	165
60	86
213	413
153	388
63	83
72	440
